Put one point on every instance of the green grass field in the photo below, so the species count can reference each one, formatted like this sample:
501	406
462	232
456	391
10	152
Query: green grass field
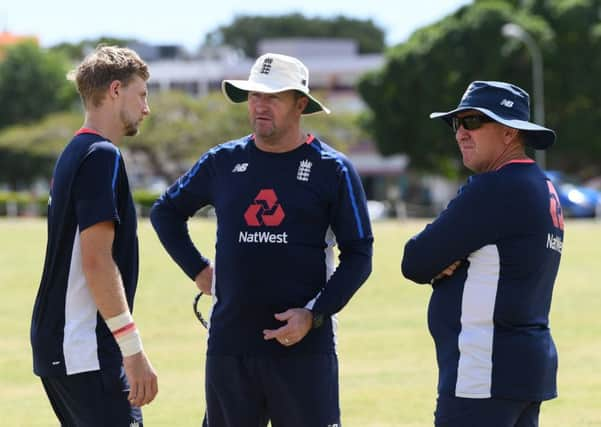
388	371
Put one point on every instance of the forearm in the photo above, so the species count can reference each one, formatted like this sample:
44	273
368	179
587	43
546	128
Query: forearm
417	264
105	285
463	227
354	268
104	282
172	231
441	243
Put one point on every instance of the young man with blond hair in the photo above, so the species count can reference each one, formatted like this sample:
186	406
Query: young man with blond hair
86	347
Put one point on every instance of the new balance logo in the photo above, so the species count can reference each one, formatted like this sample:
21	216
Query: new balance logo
240	167
266	66
304	170
507	103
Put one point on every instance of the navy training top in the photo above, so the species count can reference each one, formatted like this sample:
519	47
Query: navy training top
89	185
490	319
278	218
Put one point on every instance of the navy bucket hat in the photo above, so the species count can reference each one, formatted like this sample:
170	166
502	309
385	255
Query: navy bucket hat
505	103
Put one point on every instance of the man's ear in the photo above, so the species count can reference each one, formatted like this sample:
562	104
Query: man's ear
511	134
115	88
302	103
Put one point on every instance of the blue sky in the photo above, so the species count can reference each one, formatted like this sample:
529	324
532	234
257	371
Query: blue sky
186	22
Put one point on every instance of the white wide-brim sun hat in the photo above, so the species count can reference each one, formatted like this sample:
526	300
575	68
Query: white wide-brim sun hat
273	73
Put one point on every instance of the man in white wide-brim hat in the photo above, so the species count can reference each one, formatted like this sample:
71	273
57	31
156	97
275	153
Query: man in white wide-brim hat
283	199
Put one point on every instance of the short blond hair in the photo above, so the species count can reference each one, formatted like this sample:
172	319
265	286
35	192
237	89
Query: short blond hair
103	66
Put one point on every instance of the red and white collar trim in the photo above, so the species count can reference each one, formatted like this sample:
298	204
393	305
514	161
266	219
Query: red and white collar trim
87	130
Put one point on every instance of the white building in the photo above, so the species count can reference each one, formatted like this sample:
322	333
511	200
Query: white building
335	67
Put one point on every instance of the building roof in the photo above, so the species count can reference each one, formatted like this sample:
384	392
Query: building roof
368	161
7	38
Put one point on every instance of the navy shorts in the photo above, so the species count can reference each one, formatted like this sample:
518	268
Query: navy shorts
462	412
90	399
295	391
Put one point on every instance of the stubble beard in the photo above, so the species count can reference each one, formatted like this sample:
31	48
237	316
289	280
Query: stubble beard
262	130
130	126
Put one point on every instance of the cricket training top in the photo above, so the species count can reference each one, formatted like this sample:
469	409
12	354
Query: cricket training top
278	217
490	319
89	185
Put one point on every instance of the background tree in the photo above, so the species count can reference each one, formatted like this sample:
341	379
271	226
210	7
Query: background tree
28	152
246	30
32	84
179	129
77	51
432	69
572	87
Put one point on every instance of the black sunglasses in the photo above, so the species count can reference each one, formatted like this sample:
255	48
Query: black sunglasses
473	122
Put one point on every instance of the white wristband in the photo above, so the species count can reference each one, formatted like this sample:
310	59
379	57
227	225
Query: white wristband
126	334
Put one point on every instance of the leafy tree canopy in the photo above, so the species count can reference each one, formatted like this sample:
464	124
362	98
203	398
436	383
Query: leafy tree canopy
76	51
179	129
28	152
32	84
246	30
432	69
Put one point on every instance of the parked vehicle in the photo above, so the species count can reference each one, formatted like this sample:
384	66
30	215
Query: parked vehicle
577	200
376	210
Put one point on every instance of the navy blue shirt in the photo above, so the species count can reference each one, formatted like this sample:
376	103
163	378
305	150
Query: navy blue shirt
490	319
278	218
89	185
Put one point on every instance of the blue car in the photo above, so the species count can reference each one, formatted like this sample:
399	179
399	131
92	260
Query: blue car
576	200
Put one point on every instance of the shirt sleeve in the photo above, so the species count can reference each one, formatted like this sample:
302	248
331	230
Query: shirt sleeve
170	213
95	186
470	221
350	223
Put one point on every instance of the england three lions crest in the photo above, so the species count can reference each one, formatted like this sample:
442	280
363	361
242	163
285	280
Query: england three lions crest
304	170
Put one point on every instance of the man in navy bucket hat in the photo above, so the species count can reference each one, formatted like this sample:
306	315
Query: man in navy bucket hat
491	258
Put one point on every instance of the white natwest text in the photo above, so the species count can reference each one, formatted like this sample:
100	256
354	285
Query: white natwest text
554	242
262	237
